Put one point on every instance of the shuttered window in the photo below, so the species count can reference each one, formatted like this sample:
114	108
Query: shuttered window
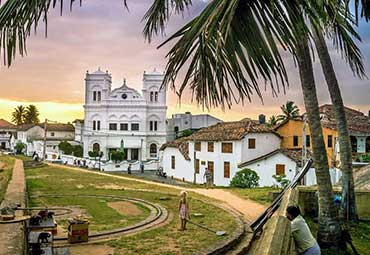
280	169
295	140
308	140
251	143
211	146
227	169
227	147
211	166
330	141
173	165
197	146
197	166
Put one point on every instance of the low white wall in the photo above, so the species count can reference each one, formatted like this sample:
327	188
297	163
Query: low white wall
183	168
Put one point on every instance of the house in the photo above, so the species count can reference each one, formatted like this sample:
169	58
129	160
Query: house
221	148
122	118
7	133
180	122
295	133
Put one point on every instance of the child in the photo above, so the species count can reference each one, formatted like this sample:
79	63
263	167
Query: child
183	210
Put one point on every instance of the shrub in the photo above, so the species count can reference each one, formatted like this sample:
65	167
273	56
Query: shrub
117	156
78	151
66	147
93	154
281	180
366	157
19	147
245	178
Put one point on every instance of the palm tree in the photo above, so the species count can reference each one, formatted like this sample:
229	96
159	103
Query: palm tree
348	190
273	121
32	115
290	111
229	46
18	115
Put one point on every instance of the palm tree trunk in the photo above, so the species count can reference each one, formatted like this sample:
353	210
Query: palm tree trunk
348	191
329	229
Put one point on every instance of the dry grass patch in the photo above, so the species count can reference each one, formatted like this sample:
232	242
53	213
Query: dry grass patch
126	208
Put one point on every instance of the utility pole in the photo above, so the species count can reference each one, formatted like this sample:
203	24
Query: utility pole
45	132
195	154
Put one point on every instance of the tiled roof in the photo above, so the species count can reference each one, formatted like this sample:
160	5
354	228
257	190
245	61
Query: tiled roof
230	131
293	154
4	124
58	127
356	120
182	144
25	127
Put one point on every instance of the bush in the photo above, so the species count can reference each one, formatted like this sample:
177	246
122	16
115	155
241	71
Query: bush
245	178
117	156
66	147
19	147
281	180
78	151
93	154
366	158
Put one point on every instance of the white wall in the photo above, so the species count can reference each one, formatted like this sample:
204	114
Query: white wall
265	143
183	168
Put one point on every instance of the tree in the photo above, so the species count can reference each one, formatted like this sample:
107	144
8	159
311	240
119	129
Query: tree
273	121
32	115
348	187
290	111
93	154
281	179
19	147
186	132
78	151
245	178
117	156
66	147
18	115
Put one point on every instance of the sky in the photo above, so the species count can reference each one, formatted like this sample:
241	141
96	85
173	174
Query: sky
104	34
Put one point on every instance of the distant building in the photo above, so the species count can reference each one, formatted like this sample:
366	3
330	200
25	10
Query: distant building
122	118
7	133
180	122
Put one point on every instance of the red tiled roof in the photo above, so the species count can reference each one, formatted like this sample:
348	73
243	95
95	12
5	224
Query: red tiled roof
4	124
181	144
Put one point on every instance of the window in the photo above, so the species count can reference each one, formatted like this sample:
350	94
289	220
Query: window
96	147
295	140
125	153
153	150
330	141
227	169
211	166
52	134
112	126
124	126
173	165
251	143
98	125
211	146
94	95
134	154
308	141
151	96
156	96
197	146
280	169
153	125
197	166
135	126
99	96
94	125
227	147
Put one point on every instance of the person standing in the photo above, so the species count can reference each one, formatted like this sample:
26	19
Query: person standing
129	169
305	243
208	178
142	167
183	209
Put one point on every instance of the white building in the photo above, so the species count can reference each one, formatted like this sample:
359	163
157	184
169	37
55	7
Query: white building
186	121
122	117
221	148
7	133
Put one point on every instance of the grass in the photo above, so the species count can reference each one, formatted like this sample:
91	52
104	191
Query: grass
260	194
360	234
164	240
5	174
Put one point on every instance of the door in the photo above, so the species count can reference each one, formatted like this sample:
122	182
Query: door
3	145
211	168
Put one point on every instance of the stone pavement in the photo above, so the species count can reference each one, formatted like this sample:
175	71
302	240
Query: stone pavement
11	235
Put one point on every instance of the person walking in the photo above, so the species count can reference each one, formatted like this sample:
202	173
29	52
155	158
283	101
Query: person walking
305	243
208	178
142	167
129	169
183	209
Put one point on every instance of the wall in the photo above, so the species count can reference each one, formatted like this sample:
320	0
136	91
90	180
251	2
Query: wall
265	143
183	168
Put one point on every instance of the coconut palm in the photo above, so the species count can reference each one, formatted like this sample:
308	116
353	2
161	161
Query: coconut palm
290	111
32	115
228	48
18	115
273	121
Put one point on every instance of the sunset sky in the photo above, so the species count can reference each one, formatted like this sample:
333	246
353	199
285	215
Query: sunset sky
104	34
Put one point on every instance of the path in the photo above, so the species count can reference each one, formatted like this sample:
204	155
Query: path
11	235
248	208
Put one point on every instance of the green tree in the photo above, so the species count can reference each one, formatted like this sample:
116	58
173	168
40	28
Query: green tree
93	154
78	151
117	156
273	121
32	115
281	179
245	178
66	147
290	111
18	115
186	132
19	147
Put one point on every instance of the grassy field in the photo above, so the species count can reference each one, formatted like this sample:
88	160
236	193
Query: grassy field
260	195
164	240
360	236
5	173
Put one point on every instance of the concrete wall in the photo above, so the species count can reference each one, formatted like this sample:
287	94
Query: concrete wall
183	168
265	143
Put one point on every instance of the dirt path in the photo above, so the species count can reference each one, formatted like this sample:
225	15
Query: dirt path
11	235
248	208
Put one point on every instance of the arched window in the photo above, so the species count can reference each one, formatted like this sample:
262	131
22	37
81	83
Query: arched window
153	150
96	147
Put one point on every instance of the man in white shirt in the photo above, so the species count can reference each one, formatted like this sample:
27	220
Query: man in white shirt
304	241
